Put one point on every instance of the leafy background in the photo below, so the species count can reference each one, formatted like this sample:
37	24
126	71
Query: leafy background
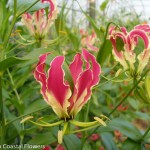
21	94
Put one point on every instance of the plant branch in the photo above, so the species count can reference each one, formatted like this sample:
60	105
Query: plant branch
19	101
15	7
13	85
146	132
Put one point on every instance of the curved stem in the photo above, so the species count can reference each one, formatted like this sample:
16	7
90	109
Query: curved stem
146	132
87	111
47	125
13	85
84	129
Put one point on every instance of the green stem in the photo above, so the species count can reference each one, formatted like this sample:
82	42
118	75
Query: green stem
13	85
19	100
2	115
87	111
15	7
84	129
146	132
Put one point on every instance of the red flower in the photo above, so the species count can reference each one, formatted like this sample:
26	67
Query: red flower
126	55
56	89
38	24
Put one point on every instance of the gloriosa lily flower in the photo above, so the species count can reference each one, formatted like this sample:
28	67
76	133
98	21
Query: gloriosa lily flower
127	55
88	41
55	88
39	23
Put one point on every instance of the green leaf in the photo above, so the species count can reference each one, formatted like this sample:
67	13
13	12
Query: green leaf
131	145
23	5
36	105
119	44
60	21
9	62
87	146
104	5
33	56
126	128
108	141
104	52
43	139
141	115
1	13
147	85
147	138
141	95
4	19
14	129
72	142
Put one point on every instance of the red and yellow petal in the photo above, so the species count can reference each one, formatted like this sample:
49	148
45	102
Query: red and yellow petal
57	88
40	75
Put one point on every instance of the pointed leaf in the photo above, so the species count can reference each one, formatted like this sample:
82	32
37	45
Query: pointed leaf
73	143
126	128
104	52
108	141
147	85
23	5
9	62
129	144
104	5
